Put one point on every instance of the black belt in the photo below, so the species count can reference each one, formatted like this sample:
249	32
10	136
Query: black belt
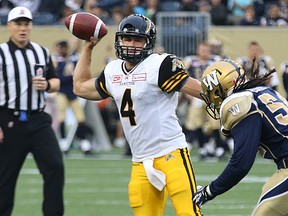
282	164
17	112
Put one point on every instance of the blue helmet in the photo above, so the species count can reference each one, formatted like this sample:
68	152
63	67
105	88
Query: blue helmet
135	25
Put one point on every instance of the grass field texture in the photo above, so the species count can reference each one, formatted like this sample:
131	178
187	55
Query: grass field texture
98	187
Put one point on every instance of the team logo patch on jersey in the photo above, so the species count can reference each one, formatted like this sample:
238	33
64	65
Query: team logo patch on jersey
177	65
139	77
116	78
235	109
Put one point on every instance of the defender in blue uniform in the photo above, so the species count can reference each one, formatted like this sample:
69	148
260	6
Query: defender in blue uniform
256	117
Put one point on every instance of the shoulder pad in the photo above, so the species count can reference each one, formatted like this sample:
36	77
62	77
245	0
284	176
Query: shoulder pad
187	61
235	108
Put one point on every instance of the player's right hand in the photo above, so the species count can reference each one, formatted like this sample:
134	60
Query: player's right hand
92	43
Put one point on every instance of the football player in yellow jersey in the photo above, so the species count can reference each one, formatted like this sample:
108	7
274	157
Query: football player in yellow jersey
256	117
145	87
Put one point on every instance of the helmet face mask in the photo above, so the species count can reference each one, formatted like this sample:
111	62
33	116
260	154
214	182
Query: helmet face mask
135	25
218	82
130	52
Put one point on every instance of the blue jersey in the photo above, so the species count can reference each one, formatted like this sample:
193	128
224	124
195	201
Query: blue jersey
274	135
257	119
64	69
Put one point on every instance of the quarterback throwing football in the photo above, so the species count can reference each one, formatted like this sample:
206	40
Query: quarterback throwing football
256	117
144	86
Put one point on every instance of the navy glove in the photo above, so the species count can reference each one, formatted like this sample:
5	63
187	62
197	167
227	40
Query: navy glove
202	195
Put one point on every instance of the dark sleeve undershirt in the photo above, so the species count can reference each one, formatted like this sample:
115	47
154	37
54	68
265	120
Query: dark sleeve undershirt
246	136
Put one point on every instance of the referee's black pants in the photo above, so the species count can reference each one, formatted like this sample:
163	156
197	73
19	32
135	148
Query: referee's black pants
36	136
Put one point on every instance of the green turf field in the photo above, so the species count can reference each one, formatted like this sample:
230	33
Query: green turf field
98	186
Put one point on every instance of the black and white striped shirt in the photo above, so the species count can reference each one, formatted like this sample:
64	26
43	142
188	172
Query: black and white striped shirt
17	68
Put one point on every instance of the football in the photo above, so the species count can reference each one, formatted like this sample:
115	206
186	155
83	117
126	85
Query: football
84	25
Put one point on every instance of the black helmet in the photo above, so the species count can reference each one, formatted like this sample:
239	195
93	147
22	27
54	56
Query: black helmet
135	25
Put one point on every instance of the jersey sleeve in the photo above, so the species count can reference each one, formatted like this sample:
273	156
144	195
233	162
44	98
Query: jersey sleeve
246	136
100	85
172	74
234	109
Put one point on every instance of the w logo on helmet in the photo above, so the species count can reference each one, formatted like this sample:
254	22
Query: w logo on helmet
210	79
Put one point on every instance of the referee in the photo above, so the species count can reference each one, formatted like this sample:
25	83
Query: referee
26	73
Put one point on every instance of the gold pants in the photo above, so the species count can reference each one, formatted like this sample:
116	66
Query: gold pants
274	196
146	200
63	104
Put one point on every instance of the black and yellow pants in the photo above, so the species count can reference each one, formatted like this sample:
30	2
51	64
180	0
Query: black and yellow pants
146	200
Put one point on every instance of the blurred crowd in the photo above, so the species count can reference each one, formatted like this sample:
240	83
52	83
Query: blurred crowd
223	12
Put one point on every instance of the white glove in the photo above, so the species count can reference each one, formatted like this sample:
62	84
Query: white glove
156	177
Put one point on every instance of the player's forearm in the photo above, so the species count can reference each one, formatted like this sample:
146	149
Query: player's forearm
82	71
192	87
228	179
83	83
237	168
246	136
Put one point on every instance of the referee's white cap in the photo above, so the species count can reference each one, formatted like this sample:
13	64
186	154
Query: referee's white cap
19	12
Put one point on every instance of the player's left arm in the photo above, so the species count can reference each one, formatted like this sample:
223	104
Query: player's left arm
246	135
173	77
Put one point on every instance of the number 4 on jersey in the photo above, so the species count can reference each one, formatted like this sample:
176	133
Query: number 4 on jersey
127	107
